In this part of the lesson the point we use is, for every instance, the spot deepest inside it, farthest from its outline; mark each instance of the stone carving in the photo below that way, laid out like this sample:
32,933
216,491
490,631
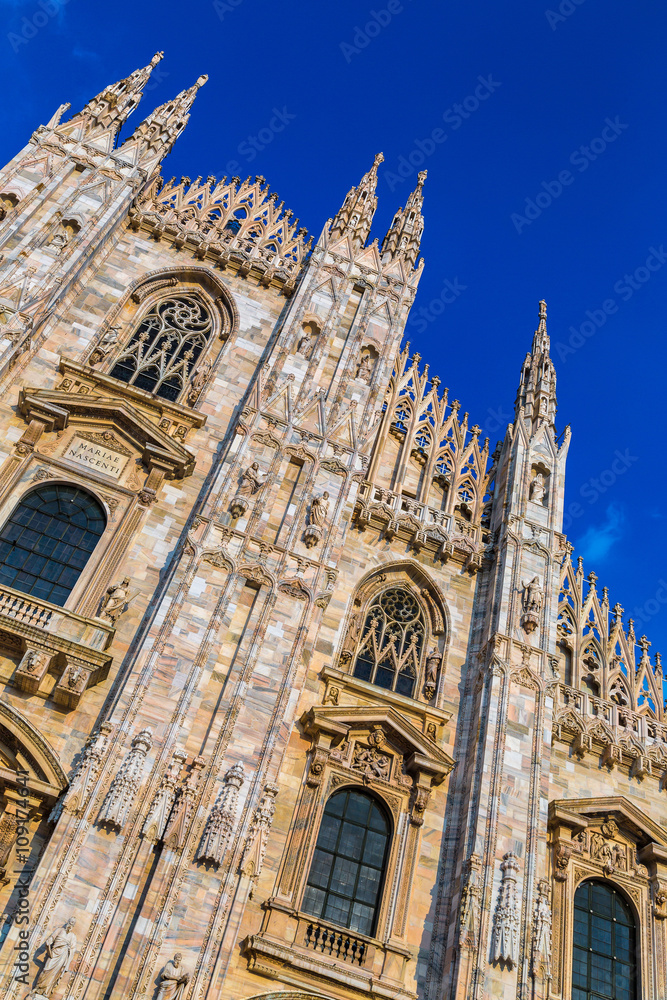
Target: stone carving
173,980
114,601
470,905
31,661
105,346
365,368
533,599
319,510
122,793
506,918
305,345
542,932
433,661
60,947
181,814
163,801
221,819
199,378
332,696
371,763
251,483
352,637
255,845
86,774
538,489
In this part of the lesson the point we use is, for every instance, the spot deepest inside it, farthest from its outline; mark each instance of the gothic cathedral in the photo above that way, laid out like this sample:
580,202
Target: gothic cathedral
304,696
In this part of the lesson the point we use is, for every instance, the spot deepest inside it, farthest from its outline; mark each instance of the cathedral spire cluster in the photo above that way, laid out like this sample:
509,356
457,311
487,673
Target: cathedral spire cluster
355,218
102,117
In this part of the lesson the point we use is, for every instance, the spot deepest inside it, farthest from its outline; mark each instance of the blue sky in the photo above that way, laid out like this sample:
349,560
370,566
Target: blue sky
546,182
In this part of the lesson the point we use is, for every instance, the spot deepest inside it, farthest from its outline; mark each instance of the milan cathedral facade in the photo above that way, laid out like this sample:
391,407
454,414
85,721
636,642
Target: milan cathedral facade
304,695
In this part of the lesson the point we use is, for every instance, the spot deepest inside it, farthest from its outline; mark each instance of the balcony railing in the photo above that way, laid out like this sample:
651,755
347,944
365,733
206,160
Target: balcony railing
19,613
337,944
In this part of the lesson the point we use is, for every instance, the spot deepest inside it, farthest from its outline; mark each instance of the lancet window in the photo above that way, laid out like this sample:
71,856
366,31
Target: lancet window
391,644
162,354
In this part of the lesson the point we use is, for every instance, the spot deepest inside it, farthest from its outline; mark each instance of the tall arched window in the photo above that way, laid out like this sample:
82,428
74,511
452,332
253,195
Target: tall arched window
392,641
162,354
604,960
48,540
346,873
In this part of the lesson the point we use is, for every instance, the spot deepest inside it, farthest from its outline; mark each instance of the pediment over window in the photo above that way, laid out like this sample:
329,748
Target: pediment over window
56,409
579,814
420,754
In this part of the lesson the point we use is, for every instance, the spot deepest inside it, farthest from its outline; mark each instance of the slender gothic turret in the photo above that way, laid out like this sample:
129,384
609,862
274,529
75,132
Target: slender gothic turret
153,139
356,215
102,118
536,397
406,230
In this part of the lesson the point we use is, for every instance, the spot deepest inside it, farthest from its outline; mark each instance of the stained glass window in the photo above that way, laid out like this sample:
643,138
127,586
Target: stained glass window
604,959
346,873
390,649
48,540
162,353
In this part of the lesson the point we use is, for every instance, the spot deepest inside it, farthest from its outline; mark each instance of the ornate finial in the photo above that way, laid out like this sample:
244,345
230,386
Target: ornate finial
658,663
378,160
592,577
580,564
201,80
644,643
617,611
605,595
421,177
543,310
157,58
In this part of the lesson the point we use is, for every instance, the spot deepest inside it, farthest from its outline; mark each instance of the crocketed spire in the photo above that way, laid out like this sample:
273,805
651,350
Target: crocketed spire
406,230
356,215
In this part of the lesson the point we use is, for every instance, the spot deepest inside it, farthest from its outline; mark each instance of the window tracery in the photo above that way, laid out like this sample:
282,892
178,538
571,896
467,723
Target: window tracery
390,648
604,947
163,352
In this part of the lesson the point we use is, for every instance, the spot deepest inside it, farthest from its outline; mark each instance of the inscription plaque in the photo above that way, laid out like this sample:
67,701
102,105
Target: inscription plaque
96,456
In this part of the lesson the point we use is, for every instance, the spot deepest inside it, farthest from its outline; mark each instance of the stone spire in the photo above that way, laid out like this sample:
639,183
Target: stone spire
356,215
406,230
153,139
102,118
536,397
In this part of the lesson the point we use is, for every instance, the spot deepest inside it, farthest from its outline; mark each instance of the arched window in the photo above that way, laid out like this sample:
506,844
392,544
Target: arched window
48,540
346,873
390,649
604,960
162,353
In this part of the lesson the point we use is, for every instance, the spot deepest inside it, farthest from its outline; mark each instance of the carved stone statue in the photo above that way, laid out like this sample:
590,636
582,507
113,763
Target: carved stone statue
114,601
105,346
201,373
542,933
365,368
533,599
537,489
173,979
319,509
59,948
305,343
433,661
251,481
